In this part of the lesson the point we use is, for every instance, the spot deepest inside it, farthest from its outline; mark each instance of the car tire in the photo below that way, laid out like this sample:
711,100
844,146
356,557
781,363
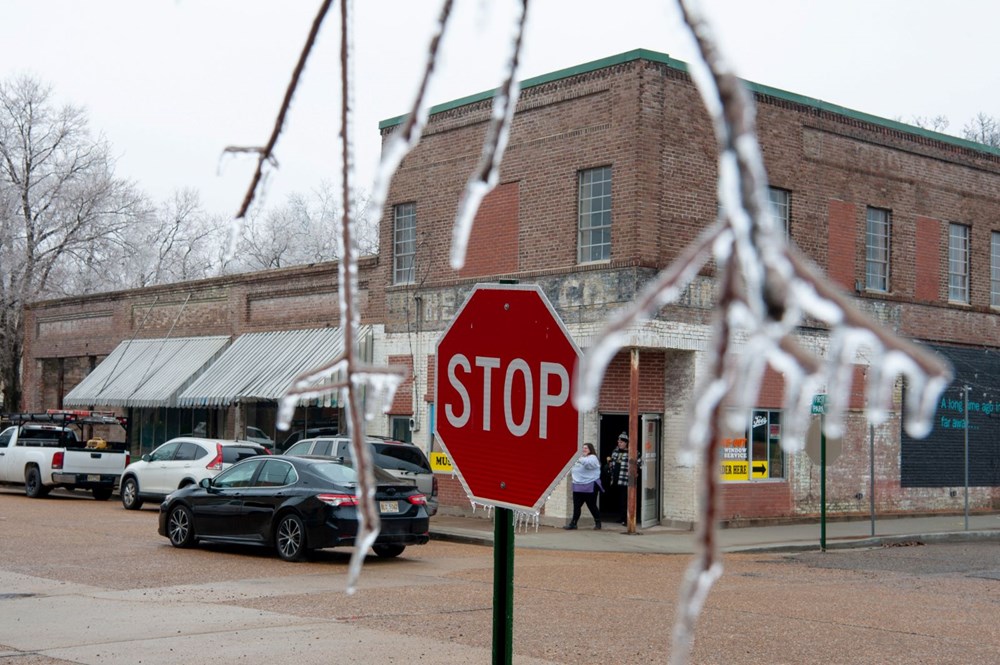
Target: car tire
290,538
33,486
180,527
388,551
130,494
101,493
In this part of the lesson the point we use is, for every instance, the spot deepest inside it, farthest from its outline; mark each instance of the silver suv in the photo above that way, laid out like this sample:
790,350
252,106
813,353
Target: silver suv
402,460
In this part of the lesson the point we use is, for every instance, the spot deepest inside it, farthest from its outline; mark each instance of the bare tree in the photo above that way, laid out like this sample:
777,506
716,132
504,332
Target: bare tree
983,129
175,241
58,194
298,232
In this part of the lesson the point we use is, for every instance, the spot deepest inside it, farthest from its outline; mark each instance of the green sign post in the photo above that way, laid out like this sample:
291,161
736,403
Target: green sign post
819,408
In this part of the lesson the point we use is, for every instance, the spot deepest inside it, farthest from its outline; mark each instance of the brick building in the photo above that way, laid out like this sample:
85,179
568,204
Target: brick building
609,173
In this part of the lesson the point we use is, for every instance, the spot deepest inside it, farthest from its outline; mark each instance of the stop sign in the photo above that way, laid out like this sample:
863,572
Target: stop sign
503,391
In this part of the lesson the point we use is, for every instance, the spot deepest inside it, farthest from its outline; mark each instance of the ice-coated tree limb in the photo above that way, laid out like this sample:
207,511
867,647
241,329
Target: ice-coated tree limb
487,173
266,153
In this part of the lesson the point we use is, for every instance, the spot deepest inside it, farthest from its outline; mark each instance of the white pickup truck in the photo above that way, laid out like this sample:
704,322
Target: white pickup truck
43,451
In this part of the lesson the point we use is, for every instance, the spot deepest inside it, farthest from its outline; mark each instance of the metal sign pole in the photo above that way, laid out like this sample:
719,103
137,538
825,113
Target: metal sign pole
503,586
822,482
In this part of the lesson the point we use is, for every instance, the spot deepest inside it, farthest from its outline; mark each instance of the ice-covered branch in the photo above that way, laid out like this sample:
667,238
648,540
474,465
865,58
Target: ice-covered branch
266,153
487,172
767,291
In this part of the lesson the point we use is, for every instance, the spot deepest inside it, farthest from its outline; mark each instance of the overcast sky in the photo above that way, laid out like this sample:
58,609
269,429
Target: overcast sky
170,83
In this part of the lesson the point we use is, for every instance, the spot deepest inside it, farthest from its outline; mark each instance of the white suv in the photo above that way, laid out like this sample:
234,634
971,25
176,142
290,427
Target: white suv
179,462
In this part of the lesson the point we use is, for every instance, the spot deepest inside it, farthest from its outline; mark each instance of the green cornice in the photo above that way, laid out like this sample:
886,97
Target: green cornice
758,88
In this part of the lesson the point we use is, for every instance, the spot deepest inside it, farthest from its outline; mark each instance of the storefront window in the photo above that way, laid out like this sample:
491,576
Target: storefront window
755,454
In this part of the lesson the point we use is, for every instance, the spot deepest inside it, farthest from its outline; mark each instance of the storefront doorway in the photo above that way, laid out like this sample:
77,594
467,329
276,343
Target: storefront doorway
647,503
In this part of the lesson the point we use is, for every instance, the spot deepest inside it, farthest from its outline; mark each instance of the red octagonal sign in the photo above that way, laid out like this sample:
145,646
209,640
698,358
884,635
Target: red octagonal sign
503,392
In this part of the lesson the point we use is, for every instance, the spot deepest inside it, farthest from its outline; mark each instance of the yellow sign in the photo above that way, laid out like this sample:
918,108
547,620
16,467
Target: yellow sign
441,463
737,470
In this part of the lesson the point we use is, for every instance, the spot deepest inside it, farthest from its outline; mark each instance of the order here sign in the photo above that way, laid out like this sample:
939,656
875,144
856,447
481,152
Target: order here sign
505,370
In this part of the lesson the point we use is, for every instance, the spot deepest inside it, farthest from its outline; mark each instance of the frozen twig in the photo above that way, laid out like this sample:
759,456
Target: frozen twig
403,140
357,376
265,153
767,290
487,172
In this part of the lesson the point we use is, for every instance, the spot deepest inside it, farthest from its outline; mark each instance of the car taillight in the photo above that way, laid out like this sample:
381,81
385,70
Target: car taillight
338,500
434,486
216,463
57,460
417,499
128,458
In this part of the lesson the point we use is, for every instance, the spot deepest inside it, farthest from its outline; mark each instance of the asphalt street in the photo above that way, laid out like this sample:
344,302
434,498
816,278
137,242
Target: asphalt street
88,582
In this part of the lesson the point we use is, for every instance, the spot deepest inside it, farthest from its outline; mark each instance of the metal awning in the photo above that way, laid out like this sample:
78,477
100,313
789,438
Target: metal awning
261,366
146,372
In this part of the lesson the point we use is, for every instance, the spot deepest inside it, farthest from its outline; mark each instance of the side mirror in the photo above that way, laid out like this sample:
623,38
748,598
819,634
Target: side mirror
205,482
145,458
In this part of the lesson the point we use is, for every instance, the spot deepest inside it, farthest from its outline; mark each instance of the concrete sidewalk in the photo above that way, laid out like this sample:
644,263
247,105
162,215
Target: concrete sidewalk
782,538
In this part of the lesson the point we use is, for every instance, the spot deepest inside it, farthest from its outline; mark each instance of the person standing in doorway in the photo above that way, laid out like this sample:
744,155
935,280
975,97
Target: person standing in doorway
618,474
586,479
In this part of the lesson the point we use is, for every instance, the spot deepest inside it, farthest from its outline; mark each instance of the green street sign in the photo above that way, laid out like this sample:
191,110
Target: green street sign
819,405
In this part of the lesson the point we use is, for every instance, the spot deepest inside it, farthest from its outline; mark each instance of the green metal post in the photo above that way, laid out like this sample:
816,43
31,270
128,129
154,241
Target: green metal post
822,484
503,586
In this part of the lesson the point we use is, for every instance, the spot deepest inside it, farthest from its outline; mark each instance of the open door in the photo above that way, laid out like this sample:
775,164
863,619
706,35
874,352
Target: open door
649,485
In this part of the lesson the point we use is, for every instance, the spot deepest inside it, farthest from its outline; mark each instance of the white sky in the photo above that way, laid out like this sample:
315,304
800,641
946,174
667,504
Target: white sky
170,83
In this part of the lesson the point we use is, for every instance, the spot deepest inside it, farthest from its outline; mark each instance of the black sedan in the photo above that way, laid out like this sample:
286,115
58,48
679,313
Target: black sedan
294,504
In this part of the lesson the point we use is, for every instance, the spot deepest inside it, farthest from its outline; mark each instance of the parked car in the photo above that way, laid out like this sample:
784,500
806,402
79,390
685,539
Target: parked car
294,505
309,433
257,435
180,462
402,460
42,451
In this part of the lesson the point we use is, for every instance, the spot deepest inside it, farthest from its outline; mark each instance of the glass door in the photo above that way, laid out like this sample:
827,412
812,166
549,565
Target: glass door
649,483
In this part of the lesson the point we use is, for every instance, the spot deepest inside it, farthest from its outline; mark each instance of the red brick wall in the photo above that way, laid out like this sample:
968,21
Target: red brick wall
493,248
615,389
758,500
841,240
928,259
402,401
76,329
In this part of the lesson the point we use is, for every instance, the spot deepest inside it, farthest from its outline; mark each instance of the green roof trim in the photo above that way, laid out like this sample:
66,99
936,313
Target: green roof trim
759,88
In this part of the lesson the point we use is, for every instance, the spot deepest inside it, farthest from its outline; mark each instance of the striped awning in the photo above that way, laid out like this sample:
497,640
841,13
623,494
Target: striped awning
261,366
146,372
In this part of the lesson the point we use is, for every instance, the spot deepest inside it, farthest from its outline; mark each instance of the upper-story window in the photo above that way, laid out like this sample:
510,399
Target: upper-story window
995,269
877,236
404,245
781,207
594,218
958,263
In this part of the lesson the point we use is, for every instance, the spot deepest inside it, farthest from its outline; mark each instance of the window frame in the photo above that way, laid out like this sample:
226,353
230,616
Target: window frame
878,254
959,246
586,211
995,269
404,242
781,210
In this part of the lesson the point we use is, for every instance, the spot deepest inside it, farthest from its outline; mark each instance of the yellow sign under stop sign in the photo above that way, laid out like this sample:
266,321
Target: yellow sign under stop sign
440,463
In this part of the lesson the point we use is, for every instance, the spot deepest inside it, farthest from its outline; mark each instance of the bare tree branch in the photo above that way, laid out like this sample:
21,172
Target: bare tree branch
266,153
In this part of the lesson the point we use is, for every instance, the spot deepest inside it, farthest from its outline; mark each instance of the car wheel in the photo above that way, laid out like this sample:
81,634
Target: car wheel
130,494
290,538
180,527
33,486
388,551
101,493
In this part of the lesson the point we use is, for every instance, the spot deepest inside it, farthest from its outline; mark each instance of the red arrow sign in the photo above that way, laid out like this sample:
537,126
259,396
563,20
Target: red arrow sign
505,369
